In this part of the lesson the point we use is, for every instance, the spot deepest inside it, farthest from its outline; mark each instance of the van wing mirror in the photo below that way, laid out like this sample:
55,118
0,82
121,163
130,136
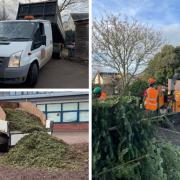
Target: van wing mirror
43,40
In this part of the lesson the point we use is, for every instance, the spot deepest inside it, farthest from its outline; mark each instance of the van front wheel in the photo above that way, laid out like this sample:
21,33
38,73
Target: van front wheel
32,75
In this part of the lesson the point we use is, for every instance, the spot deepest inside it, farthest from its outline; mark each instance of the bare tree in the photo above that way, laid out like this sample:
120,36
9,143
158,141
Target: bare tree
67,3
125,46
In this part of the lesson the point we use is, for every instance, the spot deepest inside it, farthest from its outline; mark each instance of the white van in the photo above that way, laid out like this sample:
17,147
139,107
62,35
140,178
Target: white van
25,47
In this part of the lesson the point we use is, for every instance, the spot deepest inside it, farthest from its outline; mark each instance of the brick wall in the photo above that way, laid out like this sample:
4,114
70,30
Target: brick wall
2,114
31,108
71,127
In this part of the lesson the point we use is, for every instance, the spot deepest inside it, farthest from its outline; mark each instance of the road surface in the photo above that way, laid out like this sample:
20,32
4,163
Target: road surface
60,73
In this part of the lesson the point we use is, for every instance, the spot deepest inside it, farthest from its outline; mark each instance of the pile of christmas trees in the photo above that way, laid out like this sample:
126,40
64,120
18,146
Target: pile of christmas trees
125,144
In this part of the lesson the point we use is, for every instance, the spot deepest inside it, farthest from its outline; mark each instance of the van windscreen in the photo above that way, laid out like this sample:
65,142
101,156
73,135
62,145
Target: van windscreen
16,30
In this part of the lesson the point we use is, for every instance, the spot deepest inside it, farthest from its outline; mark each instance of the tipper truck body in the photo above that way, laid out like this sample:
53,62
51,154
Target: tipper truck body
28,43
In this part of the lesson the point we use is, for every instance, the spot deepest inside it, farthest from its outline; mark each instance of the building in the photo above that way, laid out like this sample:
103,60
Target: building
81,21
77,29
108,81
69,110
104,78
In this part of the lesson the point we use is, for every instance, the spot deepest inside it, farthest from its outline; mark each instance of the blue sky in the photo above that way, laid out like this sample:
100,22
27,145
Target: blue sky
163,15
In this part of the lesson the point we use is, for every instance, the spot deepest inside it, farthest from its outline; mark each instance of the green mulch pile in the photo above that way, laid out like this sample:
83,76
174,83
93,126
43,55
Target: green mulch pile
23,121
39,149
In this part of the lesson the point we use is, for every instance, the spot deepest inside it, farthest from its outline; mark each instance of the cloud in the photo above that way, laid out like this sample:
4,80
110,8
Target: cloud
172,34
159,12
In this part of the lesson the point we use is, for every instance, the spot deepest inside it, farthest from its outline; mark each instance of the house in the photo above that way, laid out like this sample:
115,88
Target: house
69,110
104,78
108,81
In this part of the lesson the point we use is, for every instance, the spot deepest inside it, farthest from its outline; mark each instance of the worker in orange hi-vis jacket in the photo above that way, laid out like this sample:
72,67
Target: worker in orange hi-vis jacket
99,93
151,96
103,96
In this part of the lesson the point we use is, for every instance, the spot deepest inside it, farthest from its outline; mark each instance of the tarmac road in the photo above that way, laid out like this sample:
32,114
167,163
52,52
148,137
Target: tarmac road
60,73
169,134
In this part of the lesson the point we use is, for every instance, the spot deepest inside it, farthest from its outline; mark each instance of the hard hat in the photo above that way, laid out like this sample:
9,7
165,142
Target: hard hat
151,81
97,90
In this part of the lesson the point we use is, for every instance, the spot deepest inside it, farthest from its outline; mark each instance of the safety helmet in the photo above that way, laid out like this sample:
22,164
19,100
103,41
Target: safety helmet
151,81
97,90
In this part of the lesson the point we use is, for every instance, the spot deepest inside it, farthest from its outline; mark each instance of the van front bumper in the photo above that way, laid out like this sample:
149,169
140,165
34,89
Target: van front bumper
13,75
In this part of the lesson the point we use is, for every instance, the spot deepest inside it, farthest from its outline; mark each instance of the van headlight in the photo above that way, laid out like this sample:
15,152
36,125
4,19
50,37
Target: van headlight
15,59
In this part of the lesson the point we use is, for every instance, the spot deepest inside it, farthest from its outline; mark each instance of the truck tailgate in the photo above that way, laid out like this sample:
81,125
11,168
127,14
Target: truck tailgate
15,136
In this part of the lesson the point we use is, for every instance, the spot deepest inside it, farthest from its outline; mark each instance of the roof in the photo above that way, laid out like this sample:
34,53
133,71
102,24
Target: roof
47,95
79,16
108,73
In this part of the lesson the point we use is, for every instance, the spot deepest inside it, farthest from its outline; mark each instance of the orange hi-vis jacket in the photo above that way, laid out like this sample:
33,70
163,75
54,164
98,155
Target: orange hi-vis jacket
103,96
177,102
151,101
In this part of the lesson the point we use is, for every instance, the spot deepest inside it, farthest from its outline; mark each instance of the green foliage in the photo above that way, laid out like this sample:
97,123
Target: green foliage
23,121
138,87
171,160
124,145
39,149
128,140
164,64
151,168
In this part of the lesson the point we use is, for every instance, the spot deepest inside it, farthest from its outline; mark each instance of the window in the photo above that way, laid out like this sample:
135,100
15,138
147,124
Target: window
69,116
66,112
41,107
83,116
83,111
53,107
37,41
70,106
83,105
56,117
13,30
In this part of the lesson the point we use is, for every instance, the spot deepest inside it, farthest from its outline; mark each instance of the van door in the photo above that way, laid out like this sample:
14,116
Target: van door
38,49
